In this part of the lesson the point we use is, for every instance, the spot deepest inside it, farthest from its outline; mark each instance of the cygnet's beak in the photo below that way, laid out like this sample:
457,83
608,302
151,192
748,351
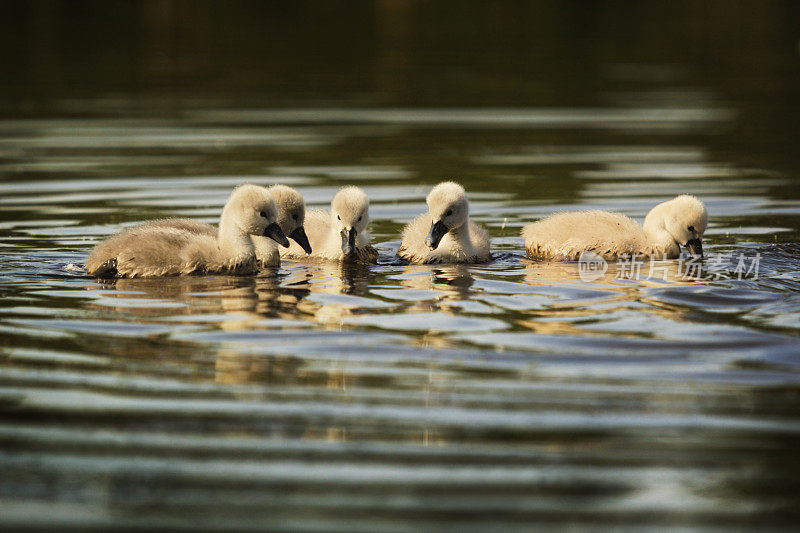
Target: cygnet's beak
349,241
438,230
299,236
274,232
695,247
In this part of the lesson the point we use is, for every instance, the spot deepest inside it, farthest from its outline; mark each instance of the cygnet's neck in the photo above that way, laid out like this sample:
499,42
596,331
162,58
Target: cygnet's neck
266,250
460,235
232,241
333,224
660,240
332,245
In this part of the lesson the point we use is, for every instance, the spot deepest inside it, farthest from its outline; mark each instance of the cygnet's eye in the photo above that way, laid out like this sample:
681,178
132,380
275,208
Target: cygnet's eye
359,218
294,216
449,212
691,228
338,217
263,214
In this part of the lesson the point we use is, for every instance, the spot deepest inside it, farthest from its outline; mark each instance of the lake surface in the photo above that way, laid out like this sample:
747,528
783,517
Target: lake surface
320,396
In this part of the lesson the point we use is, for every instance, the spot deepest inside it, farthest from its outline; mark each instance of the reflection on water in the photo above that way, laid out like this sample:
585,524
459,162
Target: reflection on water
326,396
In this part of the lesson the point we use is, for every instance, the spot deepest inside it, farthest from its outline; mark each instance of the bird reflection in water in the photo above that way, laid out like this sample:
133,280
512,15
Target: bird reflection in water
228,303
450,288
233,302
450,282
350,281
621,287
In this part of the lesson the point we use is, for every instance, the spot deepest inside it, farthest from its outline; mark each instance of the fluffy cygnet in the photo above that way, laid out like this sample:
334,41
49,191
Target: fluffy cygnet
291,217
668,226
181,247
445,234
340,234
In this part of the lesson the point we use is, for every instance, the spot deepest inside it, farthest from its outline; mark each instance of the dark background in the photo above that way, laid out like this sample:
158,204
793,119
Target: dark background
393,51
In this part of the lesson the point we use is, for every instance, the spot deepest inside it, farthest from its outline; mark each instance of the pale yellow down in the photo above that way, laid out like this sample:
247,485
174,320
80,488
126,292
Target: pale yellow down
349,211
464,242
291,215
182,247
667,227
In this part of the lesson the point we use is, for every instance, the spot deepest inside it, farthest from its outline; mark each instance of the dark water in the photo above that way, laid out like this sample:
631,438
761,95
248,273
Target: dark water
326,397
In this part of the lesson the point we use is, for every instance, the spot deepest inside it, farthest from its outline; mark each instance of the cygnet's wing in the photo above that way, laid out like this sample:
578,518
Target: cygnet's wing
412,245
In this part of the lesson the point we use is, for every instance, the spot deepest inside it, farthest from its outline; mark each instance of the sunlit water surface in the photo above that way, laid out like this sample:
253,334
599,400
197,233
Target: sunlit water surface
395,396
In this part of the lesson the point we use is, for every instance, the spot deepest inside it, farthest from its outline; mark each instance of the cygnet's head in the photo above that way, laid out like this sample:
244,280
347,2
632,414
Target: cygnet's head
350,216
685,218
252,210
449,210
291,214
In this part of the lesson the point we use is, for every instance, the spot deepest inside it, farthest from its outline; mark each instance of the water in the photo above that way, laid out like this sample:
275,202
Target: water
391,397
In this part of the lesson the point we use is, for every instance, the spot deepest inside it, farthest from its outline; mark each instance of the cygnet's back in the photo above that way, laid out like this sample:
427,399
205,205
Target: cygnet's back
155,249
564,236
